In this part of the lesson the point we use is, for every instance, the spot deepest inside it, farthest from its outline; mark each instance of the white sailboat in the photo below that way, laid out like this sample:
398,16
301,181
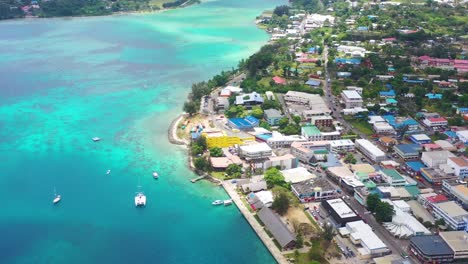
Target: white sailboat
155,175
57,197
140,197
108,172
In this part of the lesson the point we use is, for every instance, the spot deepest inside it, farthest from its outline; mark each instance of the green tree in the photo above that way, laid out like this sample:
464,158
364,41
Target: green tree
283,122
281,10
202,164
440,222
216,152
297,119
281,203
384,212
196,149
328,232
234,170
257,112
274,177
201,141
190,107
372,201
299,240
265,124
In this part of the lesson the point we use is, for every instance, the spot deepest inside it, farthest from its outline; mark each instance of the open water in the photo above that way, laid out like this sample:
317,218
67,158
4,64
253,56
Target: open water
121,78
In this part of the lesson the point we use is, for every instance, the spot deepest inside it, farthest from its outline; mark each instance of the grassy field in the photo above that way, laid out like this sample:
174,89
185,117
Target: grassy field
363,126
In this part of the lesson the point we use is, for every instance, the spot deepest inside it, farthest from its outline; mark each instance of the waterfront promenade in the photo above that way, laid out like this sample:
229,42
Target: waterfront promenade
267,241
172,132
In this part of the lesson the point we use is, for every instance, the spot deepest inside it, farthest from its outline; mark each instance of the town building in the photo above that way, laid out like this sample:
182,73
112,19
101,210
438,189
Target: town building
445,145
402,122
312,133
403,224
325,121
314,190
383,128
435,122
254,186
222,103
453,214
434,159
413,168
277,228
462,136
304,151
459,165
296,175
249,100
247,123
351,98
392,177
456,190
259,151
273,116
388,141
370,150
341,145
340,212
430,249
420,139
217,138
260,199
285,162
361,234
437,175
278,140
408,151
458,242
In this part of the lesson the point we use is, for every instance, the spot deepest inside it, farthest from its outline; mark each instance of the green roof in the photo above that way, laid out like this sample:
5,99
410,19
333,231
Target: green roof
362,175
321,151
370,185
413,190
311,130
391,101
393,173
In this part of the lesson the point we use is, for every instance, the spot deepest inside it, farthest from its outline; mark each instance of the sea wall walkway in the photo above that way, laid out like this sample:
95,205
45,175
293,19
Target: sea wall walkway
172,132
267,241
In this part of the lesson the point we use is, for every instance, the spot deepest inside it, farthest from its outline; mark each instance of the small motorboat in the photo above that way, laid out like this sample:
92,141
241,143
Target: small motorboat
57,199
155,175
217,202
140,199
96,139
227,202
108,172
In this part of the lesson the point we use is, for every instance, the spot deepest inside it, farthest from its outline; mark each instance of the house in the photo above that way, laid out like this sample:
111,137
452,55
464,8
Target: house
313,83
273,116
222,103
387,141
460,166
277,228
325,120
249,100
279,80
260,199
351,98
387,94
433,96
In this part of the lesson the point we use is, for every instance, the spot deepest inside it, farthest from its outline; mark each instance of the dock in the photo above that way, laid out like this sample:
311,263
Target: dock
197,178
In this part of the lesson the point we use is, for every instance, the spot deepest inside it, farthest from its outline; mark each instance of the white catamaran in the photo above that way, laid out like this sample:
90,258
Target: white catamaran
57,197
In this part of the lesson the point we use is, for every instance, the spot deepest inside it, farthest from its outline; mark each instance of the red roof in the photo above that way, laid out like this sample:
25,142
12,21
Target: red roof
279,80
425,57
461,61
437,198
431,146
389,39
437,119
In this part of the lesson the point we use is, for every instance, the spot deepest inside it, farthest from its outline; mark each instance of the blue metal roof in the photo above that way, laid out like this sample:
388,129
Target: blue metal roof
415,165
313,82
387,93
347,61
434,96
408,148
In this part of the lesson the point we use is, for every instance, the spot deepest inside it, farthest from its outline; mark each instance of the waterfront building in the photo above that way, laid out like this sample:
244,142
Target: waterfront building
260,151
277,228
370,150
254,186
361,234
260,199
273,116
430,249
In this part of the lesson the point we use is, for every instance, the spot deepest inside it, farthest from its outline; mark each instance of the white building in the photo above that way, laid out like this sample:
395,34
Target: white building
351,98
298,97
296,175
383,128
285,162
463,136
352,51
255,151
370,150
459,165
433,159
435,122
279,140
454,215
403,224
361,233
270,96
345,145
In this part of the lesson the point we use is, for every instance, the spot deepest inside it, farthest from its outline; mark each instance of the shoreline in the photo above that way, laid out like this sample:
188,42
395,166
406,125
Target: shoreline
172,132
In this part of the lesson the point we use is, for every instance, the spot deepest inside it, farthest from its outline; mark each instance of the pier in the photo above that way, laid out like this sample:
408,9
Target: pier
197,178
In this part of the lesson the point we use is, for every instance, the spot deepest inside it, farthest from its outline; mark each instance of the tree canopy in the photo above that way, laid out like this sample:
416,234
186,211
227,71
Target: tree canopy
274,177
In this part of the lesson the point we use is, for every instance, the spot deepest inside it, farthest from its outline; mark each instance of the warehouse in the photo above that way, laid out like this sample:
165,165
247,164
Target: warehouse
340,211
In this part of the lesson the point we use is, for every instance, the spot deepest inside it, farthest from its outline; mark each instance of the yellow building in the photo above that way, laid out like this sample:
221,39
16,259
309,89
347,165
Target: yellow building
220,139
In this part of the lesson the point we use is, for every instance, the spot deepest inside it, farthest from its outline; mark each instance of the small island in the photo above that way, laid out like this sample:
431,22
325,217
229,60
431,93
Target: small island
66,8
342,140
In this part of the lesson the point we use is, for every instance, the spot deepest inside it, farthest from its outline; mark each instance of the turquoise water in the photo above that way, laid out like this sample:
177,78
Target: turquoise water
121,78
